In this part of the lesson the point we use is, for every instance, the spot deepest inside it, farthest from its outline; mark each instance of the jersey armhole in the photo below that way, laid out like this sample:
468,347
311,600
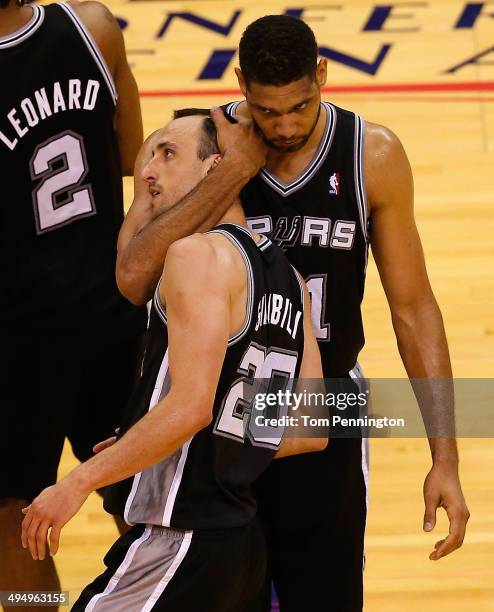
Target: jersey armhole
157,303
234,338
93,48
301,285
360,190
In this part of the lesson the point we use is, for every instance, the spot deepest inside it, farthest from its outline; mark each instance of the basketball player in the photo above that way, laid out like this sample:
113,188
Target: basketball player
69,126
332,185
187,432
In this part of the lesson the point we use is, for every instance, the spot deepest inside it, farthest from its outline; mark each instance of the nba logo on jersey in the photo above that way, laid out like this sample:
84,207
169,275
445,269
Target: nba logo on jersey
334,183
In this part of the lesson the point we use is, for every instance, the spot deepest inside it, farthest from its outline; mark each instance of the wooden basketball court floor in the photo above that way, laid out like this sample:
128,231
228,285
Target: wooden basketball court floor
426,72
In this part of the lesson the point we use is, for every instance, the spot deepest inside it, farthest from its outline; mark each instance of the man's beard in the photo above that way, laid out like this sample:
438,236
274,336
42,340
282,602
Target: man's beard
298,145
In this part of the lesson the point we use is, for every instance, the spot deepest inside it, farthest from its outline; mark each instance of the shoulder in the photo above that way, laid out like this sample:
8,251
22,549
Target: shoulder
385,163
200,262
191,249
380,142
103,26
94,14
204,259
201,255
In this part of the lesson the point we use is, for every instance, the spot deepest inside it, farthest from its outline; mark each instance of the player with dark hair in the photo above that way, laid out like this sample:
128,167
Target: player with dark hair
331,186
188,447
70,125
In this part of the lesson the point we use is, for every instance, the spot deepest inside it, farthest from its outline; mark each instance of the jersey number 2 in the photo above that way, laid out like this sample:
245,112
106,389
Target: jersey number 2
60,198
235,417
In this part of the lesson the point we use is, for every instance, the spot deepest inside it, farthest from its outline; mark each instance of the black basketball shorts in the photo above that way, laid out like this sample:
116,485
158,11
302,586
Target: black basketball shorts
169,570
313,509
54,387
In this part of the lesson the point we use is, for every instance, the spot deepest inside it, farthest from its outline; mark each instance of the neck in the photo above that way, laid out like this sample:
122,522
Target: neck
14,17
235,214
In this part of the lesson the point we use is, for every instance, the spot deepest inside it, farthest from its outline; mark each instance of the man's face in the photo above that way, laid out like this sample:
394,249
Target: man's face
174,168
286,114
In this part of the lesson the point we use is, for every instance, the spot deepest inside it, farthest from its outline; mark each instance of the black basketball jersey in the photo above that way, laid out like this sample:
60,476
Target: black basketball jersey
320,221
62,204
207,482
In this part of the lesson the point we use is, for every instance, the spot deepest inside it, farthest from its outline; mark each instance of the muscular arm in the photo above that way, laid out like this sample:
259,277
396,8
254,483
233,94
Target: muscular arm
310,369
397,250
146,234
108,36
194,292
416,317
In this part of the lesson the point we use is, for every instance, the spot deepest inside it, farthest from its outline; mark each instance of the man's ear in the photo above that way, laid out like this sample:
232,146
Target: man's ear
322,72
211,162
241,82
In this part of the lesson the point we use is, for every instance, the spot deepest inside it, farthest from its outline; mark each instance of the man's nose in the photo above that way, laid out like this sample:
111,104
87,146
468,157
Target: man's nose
285,127
148,173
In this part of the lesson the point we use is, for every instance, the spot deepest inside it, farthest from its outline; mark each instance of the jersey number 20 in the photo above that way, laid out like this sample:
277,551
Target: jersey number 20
60,197
236,417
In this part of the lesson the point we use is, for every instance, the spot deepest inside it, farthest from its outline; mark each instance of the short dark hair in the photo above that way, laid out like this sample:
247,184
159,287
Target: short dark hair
209,142
5,3
277,50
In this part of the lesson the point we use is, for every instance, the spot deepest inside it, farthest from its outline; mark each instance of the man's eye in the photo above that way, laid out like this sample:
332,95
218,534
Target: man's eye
265,111
301,106
168,153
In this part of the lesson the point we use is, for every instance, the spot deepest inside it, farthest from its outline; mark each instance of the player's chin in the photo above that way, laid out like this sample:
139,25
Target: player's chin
290,147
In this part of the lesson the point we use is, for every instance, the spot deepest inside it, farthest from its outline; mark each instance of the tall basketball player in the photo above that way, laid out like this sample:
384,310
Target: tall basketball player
188,434
69,126
332,185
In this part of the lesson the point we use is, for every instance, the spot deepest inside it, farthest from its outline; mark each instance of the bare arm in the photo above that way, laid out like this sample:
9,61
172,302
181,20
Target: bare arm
416,317
310,369
193,291
142,249
108,36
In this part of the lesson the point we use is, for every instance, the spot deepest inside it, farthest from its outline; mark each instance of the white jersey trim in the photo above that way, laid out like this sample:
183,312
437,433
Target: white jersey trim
158,388
160,308
286,189
123,567
93,49
19,36
359,173
163,583
233,339
301,284
357,374
177,479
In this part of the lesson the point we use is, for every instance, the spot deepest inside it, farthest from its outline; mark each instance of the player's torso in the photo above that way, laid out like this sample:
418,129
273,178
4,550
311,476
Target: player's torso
320,221
206,483
62,191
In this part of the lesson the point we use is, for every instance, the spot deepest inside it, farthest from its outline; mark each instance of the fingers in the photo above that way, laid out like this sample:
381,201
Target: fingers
458,518
30,536
34,533
431,505
218,116
54,539
97,448
40,539
25,526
